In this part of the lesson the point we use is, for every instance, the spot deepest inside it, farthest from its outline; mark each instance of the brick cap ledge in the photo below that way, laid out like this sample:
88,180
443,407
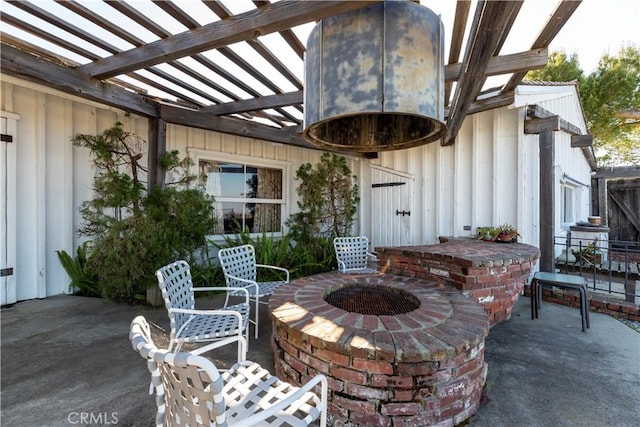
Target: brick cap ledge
468,252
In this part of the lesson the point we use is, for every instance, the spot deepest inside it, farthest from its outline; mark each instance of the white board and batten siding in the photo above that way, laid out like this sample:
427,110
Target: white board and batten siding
488,177
459,187
8,212
52,178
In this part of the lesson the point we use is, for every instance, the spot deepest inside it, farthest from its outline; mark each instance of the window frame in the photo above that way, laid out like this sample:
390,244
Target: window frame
198,155
564,187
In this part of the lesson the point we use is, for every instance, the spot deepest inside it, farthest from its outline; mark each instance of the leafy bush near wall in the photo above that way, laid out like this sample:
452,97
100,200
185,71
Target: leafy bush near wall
134,232
328,200
300,260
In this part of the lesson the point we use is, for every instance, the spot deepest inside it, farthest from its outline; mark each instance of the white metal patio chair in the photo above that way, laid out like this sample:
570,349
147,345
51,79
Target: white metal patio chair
191,391
353,256
189,325
240,271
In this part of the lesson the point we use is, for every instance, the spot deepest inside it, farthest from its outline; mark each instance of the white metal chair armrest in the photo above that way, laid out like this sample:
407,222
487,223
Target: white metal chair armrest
274,267
189,324
240,279
216,312
230,340
224,288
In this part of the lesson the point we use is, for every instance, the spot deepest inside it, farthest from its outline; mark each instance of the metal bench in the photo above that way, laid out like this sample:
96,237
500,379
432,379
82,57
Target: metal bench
560,280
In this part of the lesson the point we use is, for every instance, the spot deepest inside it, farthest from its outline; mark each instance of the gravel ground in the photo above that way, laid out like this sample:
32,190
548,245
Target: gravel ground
630,323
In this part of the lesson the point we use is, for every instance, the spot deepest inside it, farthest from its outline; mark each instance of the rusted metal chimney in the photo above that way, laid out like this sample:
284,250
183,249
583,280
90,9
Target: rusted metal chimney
374,79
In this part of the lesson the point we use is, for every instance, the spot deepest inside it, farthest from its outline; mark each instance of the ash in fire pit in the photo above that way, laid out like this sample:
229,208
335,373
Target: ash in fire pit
372,300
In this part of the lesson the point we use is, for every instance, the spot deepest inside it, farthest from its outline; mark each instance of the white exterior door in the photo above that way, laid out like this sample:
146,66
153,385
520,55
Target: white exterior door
390,207
8,294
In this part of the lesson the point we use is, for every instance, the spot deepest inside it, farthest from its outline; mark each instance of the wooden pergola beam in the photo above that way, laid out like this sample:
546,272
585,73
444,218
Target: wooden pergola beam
491,20
264,102
457,35
618,172
233,126
514,62
20,64
537,112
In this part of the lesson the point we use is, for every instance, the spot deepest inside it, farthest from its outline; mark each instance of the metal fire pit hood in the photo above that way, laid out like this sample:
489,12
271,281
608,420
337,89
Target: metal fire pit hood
374,79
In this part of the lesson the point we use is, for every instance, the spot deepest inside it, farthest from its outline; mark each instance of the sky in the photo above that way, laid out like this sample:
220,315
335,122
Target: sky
595,28
598,27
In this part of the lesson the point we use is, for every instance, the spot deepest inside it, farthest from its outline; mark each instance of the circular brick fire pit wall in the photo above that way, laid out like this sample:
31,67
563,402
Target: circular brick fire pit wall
421,367
493,274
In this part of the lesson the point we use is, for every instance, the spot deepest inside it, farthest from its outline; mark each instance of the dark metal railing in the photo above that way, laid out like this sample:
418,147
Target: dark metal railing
611,267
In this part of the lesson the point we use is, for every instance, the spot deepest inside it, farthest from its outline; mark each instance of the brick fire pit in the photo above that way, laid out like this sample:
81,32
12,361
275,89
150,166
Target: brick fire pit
420,363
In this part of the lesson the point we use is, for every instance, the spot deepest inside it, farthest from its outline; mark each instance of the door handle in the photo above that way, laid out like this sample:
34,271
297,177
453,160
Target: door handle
403,212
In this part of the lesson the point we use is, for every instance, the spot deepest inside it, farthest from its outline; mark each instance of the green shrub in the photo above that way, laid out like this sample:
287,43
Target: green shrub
134,232
301,260
328,200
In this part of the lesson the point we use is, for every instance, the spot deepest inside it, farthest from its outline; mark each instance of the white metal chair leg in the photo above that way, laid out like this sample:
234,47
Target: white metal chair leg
257,317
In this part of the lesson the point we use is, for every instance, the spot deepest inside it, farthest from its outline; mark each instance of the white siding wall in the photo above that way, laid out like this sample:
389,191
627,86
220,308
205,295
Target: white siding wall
475,182
491,174
53,178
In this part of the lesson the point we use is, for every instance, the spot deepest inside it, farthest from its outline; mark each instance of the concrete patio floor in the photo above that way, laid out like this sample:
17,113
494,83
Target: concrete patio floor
68,357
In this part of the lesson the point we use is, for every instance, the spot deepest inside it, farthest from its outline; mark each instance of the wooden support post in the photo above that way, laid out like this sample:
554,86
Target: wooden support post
155,176
544,123
547,198
157,148
603,212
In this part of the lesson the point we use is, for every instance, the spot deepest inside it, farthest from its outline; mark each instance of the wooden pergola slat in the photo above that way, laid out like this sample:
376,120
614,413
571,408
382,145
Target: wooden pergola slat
560,16
272,18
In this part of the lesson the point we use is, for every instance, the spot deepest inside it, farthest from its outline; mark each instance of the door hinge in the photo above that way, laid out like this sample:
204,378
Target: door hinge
6,272
403,212
6,138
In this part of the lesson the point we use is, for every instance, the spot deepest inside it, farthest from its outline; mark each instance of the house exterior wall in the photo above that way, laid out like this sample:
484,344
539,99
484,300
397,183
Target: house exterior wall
488,177
491,174
53,178
475,182
571,167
